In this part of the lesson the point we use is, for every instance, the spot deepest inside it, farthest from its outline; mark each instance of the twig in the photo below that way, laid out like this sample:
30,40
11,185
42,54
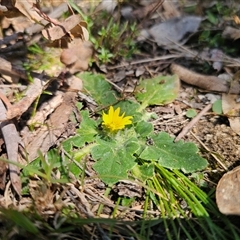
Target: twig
147,60
193,122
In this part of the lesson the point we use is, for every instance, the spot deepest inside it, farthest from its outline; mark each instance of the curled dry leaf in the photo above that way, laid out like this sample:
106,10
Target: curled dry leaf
26,7
228,192
72,25
77,56
14,8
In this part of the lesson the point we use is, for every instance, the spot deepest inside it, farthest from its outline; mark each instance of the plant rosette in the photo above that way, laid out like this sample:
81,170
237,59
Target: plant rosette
121,145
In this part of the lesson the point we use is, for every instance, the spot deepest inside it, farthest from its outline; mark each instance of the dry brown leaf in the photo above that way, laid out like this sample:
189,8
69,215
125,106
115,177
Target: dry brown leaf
26,7
56,124
228,192
77,56
232,109
232,33
57,32
72,25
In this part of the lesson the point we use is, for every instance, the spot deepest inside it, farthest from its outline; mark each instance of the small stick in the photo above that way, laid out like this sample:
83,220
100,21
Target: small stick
190,125
147,60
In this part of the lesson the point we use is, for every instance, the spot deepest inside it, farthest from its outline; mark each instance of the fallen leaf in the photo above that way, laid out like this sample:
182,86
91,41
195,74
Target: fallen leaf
72,24
77,56
228,192
34,90
232,109
232,33
175,30
26,7
3,171
56,124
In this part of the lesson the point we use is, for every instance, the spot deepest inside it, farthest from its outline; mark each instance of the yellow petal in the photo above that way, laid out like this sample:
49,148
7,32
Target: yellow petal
111,113
113,121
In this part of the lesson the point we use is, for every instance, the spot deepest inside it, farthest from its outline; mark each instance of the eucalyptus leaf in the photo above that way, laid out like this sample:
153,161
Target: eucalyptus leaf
173,155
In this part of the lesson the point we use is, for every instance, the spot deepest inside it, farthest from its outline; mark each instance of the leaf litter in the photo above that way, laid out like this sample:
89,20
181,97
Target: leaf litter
51,123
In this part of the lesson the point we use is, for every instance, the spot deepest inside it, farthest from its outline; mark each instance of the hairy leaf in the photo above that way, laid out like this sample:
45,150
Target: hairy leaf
172,155
158,91
114,159
98,88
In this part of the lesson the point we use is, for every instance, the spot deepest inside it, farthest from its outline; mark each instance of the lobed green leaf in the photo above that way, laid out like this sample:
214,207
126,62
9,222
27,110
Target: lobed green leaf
157,91
173,155
114,159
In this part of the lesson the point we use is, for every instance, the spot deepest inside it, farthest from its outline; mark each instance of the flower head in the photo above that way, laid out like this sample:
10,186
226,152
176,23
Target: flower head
113,121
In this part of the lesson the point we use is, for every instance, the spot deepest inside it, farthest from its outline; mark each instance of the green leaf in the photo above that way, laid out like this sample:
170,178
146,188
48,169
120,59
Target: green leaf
172,155
158,91
99,89
85,134
114,159
88,127
191,113
144,128
129,107
212,18
74,169
143,172
76,141
217,106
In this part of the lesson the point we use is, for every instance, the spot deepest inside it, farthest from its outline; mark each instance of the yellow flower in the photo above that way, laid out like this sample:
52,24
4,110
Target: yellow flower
113,121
